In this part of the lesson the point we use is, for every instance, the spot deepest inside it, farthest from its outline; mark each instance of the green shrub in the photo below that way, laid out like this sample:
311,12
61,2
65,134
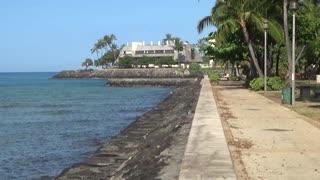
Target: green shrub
214,77
195,69
257,84
144,60
206,70
273,83
165,60
276,83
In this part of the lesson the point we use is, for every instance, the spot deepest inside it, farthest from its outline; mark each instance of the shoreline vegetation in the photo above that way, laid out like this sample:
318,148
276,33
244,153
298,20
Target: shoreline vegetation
152,146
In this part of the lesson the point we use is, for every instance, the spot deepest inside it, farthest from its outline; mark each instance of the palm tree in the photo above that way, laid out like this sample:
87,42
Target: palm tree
109,44
96,63
167,39
97,47
87,62
229,14
114,48
109,40
178,46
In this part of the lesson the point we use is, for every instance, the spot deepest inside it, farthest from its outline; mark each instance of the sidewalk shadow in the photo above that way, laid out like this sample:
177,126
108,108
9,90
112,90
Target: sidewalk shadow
314,106
232,85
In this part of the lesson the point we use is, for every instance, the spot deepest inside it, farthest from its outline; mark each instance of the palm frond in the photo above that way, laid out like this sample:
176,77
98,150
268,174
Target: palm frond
275,29
205,22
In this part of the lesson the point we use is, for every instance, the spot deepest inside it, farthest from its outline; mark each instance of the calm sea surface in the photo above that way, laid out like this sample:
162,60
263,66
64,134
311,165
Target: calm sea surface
48,125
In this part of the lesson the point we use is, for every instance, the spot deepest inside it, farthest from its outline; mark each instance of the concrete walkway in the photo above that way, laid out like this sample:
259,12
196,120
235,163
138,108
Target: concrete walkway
277,143
207,155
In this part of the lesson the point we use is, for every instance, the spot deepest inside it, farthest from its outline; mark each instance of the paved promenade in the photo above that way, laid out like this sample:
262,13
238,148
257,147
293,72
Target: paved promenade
274,142
207,155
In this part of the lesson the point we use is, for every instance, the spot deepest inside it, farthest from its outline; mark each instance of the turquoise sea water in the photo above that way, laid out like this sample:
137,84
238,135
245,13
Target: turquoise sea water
48,125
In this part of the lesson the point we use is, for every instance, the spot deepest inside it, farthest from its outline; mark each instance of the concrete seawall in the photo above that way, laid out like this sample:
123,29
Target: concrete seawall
155,82
207,155
151,147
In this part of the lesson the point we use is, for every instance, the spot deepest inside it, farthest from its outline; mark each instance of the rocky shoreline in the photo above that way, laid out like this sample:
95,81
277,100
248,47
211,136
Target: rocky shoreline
155,82
152,146
123,73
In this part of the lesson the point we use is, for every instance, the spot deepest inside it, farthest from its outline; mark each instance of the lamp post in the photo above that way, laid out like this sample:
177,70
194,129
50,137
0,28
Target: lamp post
265,27
293,7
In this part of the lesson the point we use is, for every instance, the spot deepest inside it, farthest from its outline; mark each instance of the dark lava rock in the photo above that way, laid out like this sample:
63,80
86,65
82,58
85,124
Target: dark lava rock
161,82
122,73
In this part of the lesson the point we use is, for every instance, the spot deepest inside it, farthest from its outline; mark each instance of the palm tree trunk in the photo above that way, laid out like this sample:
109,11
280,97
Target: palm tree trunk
270,59
286,35
318,70
251,50
237,69
300,54
253,70
277,60
114,56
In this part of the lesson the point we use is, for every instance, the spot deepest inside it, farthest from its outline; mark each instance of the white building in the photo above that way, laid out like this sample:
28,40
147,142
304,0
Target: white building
139,49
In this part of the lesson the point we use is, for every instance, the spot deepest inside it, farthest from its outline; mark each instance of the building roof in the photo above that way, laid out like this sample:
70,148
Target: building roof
154,47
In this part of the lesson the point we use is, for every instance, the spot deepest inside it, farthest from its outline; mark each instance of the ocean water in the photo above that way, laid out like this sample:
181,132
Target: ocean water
48,125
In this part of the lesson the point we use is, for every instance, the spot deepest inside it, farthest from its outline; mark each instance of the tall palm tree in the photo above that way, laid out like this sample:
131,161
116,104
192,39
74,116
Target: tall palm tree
109,44
97,47
109,40
178,44
168,38
114,48
229,14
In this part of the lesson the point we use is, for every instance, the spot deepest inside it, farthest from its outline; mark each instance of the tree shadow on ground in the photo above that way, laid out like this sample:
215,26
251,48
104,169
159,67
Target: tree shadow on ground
314,106
231,85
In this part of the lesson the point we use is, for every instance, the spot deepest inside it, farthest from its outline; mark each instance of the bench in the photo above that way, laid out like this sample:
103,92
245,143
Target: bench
225,77
305,91
316,92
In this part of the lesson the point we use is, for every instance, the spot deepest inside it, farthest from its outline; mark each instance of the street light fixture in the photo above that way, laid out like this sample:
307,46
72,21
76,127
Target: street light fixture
293,7
265,27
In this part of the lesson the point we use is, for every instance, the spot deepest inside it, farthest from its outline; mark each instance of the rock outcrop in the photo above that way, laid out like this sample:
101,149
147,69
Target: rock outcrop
122,73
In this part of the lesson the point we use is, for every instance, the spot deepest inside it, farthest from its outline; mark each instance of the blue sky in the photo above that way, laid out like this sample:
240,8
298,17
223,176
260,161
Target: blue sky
54,35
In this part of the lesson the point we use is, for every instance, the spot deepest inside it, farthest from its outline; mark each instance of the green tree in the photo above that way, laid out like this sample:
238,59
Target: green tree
165,61
245,14
87,62
195,69
126,62
109,44
308,39
96,63
144,60
178,44
108,58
